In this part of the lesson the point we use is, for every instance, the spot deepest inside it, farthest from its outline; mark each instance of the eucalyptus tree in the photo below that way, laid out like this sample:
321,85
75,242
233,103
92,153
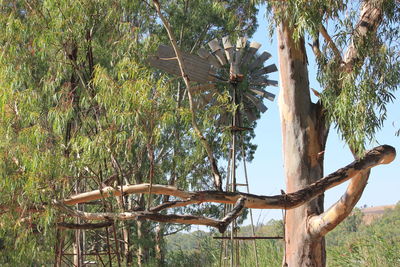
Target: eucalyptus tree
358,71
81,110
356,46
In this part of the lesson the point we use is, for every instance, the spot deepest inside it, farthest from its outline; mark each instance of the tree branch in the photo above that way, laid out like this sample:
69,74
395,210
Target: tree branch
330,42
181,63
64,225
370,18
379,155
221,225
320,225
173,204
126,189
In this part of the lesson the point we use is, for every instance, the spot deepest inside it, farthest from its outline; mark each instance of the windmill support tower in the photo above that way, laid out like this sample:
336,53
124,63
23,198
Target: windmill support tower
240,71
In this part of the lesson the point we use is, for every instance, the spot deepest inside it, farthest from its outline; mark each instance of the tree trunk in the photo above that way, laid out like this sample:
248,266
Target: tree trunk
304,137
143,237
126,237
140,251
159,244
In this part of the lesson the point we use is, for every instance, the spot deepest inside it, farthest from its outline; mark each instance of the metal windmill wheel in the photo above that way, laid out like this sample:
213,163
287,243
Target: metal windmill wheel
237,66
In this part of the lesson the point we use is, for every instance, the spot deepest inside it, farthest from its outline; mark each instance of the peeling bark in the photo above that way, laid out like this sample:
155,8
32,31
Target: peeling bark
304,136
221,225
299,200
302,144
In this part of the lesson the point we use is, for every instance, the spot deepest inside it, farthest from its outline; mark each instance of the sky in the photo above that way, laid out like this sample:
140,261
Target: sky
265,172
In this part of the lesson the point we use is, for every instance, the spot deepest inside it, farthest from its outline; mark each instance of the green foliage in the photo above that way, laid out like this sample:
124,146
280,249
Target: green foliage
305,16
352,243
376,244
79,107
197,22
354,100
357,104
193,249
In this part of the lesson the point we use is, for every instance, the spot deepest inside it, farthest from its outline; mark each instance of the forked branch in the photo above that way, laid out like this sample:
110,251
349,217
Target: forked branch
379,155
320,225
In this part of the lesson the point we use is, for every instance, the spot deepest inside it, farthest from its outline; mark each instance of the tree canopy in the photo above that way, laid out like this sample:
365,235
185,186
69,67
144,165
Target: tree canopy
81,110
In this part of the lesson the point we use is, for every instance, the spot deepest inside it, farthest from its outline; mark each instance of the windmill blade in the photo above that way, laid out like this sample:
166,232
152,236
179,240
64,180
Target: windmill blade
257,102
197,69
229,48
254,46
250,115
202,87
268,69
240,44
263,81
217,51
259,60
204,54
235,66
263,93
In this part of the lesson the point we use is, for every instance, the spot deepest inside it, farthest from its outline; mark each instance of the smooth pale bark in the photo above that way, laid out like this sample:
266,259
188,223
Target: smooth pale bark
303,142
304,138
116,191
159,244
140,253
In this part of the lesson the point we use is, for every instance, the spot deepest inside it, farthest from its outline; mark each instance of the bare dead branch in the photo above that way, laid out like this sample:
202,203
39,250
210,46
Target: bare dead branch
379,155
86,226
126,189
173,204
234,213
315,48
181,63
221,225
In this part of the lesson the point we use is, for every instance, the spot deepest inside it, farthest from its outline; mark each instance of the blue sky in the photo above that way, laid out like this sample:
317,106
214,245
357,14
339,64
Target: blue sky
266,170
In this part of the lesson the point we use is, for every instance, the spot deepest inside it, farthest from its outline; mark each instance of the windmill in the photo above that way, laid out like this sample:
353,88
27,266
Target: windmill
239,70
238,67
